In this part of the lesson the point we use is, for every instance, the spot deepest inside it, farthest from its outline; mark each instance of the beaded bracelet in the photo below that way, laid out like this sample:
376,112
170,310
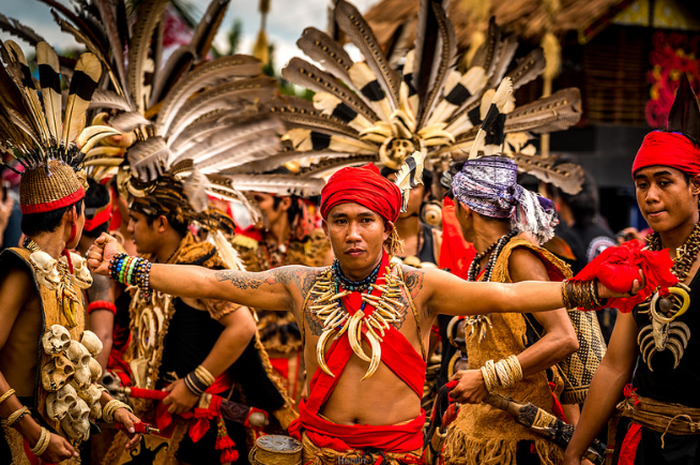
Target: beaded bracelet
42,444
17,415
7,395
133,271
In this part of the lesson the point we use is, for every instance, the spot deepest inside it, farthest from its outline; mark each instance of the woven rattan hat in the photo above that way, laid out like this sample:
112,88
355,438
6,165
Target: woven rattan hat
48,142
49,187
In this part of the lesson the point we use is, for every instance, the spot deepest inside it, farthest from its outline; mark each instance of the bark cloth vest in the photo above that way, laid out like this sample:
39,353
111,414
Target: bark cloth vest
399,356
660,421
13,354
481,433
168,340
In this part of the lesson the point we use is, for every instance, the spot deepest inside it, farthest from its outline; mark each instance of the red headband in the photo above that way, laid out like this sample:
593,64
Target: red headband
668,149
53,205
101,216
365,186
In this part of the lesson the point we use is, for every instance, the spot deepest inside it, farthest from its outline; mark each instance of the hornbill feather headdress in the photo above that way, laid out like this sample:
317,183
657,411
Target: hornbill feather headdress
430,103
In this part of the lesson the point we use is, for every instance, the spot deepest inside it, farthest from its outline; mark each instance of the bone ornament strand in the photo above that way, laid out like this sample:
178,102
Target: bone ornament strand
337,320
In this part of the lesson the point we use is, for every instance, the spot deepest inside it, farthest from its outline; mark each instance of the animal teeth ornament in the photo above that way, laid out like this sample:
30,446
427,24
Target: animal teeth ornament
663,332
368,324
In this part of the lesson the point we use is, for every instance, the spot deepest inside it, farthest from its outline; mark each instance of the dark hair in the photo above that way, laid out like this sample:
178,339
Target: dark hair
585,205
427,177
35,223
293,209
96,197
180,227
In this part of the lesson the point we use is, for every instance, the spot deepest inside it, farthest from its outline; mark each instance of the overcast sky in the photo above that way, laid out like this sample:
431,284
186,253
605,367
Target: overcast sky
285,22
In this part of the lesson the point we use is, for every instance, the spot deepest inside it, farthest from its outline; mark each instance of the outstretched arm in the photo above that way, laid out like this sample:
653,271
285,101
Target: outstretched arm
273,290
447,294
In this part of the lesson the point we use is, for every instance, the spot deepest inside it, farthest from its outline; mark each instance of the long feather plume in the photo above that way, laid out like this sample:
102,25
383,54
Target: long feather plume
360,34
324,50
83,83
206,75
148,14
18,68
50,81
557,112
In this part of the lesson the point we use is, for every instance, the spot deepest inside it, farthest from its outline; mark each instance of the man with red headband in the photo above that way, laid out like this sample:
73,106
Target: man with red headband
48,371
364,320
656,345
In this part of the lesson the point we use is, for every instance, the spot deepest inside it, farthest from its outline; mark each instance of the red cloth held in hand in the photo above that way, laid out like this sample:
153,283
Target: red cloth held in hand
618,267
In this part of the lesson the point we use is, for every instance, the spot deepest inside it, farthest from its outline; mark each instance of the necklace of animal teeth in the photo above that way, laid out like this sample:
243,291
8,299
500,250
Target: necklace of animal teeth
338,321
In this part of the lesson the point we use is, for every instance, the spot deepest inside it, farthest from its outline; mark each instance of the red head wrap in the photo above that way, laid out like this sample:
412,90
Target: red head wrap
365,186
668,149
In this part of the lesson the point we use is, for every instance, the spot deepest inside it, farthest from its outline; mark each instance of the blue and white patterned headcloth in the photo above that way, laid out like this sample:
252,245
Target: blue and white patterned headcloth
488,186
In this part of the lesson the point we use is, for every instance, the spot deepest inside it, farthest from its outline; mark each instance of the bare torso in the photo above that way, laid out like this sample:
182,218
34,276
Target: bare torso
381,399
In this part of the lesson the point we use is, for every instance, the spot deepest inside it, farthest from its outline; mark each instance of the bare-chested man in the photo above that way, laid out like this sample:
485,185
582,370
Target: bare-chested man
360,309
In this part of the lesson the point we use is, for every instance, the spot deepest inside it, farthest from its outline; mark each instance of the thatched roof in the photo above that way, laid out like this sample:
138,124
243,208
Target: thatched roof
527,18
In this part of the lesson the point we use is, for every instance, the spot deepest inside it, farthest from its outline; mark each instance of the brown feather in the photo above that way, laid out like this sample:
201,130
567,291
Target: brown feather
528,68
438,64
109,99
18,29
18,68
228,138
242,95
568,176
108,15
322,49
360,34
149,13
305,74
557,112
206,75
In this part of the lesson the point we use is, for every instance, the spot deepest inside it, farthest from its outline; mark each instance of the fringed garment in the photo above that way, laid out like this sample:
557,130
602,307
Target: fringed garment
484,435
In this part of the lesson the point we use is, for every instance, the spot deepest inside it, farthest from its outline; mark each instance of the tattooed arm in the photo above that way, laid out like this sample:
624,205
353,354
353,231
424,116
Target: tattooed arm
279,289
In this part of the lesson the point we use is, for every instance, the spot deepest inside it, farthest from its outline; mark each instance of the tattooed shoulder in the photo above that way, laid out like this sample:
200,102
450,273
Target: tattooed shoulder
414,280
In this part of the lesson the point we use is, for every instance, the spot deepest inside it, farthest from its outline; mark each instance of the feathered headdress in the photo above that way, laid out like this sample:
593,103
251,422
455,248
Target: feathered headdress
371,110
487,182
189,118
48,139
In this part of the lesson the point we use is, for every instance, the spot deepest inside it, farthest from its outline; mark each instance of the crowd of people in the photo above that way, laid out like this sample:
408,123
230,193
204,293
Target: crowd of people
422,313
